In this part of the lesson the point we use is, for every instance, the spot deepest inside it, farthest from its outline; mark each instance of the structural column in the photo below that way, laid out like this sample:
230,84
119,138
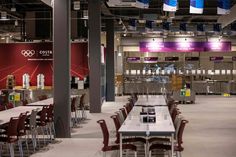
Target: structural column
61,67
94,26
110,70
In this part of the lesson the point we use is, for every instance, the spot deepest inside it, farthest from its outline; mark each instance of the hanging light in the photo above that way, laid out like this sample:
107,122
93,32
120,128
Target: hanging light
16,23
76,5
3,15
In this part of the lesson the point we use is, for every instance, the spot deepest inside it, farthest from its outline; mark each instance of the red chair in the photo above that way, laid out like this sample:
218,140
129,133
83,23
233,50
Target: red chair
128,107
106,147
9,106
74,110
24,102
82,106
50,120
123,112
41,122
21,128
42,97
178,147
2,108
126,140
11,136
174,113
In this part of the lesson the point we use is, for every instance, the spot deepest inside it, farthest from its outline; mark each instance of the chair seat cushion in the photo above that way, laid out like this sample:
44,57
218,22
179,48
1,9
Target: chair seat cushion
117,147
135,139
164,147
8,140
158,139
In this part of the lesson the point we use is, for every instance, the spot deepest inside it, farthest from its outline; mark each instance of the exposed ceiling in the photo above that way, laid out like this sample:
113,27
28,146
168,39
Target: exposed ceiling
125,12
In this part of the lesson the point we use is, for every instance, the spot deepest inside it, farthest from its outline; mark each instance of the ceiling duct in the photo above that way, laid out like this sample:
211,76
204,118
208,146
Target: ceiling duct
225,20
121,3
48,2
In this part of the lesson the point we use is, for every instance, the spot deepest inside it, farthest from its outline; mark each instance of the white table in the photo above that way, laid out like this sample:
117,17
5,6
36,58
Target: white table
46,102
163,126
6,115
151,100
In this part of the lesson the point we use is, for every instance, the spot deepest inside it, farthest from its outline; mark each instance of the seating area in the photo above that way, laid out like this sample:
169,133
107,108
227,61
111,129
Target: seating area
151,144
27,129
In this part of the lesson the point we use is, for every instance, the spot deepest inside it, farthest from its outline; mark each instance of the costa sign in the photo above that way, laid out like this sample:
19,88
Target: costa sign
28,53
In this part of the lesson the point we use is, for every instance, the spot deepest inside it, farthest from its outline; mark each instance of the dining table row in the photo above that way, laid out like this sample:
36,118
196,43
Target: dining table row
32,125
152,121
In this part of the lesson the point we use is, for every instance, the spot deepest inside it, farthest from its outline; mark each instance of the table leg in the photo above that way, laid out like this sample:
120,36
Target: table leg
121,145
172,145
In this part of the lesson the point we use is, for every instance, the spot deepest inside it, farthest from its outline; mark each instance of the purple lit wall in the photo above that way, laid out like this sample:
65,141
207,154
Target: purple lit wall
184,46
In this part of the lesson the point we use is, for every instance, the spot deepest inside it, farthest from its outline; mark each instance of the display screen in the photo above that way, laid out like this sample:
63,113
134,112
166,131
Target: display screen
216,58
234,58
171,58
191,58
133,59
150,59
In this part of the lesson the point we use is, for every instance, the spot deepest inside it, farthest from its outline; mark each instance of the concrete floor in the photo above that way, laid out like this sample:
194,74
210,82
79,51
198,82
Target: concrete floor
211,131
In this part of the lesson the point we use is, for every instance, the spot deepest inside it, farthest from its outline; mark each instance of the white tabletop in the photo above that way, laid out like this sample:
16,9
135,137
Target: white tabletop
45,102
162,127
152,100
6,115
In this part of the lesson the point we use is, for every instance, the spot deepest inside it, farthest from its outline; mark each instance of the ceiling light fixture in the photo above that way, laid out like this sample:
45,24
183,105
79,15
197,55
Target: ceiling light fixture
16,23
76,5
120,21
3,15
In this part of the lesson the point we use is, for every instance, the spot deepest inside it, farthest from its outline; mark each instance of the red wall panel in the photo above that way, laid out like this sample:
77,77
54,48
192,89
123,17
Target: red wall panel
34,58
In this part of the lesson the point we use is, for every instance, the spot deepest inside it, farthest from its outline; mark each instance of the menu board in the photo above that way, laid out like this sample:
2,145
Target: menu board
217,58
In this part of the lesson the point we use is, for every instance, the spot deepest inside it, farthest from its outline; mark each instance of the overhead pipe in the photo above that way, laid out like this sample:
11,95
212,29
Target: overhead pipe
227,19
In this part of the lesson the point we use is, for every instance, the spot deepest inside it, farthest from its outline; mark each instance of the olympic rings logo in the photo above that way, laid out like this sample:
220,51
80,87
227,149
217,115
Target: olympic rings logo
27,53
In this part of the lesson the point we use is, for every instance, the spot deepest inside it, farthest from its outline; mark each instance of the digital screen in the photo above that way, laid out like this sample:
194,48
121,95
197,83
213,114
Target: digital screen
191,58
216,58
133,59
150,59
234,58
171,58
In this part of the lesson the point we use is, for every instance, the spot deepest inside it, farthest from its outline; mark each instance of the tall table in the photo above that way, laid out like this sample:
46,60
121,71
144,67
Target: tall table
163,126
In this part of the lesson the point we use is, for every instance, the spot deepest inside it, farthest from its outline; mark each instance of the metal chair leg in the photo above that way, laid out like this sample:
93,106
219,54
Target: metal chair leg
0,150
150,153
104,154
26,143
11,148
42,129
20,147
